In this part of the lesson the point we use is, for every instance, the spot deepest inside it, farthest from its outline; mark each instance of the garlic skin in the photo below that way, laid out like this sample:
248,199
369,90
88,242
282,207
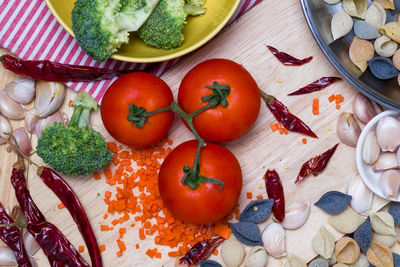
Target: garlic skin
273,237
7,256
50,120
388,133
30,120
5,129
363,108
23,140
257,257
371,149
49,97
390,183
30,244
361,200
9,108
296,215
347,129
21,91
386,161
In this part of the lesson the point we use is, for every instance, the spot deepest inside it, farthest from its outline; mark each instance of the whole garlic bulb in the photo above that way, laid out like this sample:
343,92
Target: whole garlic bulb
388,133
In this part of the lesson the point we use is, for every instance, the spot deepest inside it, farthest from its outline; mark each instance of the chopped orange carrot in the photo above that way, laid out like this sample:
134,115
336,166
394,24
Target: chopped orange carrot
137,246
102,248
331,98
249,195
105,216
104,227
215,252
107,194
285,130
339,98
274,127
337,106
259,197
222,230
60,206
158,255
71,103
96,176
81,249
304,140
119,253
315,106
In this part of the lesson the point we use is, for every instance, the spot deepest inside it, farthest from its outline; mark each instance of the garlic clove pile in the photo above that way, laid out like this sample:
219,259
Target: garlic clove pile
347,129
21,91
390,183
386,161
363,108
371,149
49,97
273,237
296,215
10,108
388,133
5,129
361,196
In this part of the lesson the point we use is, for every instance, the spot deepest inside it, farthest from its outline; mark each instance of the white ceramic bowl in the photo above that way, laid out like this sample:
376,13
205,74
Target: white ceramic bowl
371,178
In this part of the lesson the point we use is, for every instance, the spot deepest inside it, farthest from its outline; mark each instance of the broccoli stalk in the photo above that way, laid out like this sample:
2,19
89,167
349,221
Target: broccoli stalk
76,148
102,26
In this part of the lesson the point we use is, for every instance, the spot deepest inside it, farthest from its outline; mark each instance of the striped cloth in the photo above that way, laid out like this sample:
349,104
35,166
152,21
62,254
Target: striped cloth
29,30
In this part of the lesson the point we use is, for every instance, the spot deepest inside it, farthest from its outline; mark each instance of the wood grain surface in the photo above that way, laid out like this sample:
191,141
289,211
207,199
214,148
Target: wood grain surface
277,23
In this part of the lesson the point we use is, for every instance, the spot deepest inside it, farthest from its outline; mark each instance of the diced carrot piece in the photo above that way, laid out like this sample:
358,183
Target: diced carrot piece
222,230
259,197
60,206
137,246
119,253
249,195
102,248
304,140
81,249
337,106
274,127
331,98
215,252
96,176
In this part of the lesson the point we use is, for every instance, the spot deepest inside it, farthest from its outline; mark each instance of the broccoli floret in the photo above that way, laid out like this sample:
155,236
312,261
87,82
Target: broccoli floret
102,26
76,148
163,29
196,2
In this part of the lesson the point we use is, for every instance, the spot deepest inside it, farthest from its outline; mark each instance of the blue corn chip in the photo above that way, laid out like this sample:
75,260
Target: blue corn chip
364,30
382,68
247,233
209,263
394,210
257,211
396,259
363,235
333,202
319,263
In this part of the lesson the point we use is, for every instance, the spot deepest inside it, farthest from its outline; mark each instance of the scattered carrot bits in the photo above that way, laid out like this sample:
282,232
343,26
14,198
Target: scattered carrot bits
315,107
96,176
249,195
304,140
102,248
60,206
278,127
337,106
259,197
81,249
331,98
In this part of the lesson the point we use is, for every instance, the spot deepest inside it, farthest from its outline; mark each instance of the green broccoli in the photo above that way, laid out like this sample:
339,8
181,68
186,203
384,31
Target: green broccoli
196,2
102,26
75,148
163,29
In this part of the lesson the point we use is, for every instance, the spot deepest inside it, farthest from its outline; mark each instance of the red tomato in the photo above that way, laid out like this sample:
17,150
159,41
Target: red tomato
221,124
206,203
143,90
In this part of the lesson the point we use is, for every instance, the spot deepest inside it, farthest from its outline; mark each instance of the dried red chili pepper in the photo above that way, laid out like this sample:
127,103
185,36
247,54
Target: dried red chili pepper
283,115
315,165
56,72
286,59
201,250
59,251
11,236
68,197
275,190
316,85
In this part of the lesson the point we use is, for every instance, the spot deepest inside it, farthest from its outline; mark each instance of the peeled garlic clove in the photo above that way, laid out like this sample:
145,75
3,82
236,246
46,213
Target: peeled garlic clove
371,149
348,129
296,215
361,200
388,133
232,252
21,91
23,140
257,257
42,123
5,129
30,244
7,256
273,238
10,108
363,108
386,161
390,183
49,97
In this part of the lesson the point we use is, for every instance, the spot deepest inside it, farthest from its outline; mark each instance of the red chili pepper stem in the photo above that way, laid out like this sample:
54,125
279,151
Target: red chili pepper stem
192,177
267,98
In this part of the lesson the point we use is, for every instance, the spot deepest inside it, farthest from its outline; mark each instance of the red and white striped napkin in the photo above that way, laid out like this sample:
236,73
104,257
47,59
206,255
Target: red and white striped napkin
29,30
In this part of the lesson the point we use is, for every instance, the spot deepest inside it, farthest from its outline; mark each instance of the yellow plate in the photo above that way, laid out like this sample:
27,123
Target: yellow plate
197,31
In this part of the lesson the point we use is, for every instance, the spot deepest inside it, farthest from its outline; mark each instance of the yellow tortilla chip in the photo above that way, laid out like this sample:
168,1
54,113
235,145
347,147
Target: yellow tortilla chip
391,30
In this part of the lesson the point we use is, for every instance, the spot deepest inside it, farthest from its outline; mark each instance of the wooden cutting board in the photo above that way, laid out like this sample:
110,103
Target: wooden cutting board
277,23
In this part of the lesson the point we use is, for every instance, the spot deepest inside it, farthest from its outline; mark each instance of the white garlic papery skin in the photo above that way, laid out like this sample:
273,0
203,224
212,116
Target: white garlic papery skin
49,97
371,149
30,120
31,246
390,183
363,108
273,238
388,133
9,108
361,200
296,215
347,129
386,161
5,129
21,91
